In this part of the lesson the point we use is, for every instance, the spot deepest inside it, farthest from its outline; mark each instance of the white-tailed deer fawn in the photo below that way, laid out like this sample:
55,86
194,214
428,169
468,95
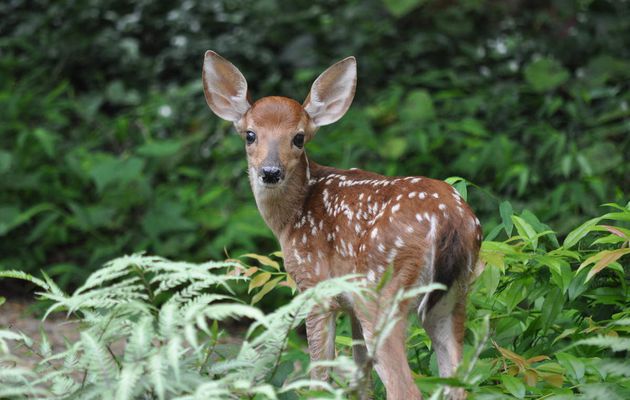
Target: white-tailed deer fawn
333,222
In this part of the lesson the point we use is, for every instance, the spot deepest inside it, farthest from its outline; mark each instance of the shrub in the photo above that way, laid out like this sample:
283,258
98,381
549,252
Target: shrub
545,320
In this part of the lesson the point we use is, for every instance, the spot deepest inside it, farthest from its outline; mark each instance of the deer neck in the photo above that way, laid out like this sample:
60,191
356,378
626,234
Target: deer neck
279,207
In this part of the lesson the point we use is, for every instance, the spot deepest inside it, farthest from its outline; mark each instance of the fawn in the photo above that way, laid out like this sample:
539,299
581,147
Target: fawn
332,222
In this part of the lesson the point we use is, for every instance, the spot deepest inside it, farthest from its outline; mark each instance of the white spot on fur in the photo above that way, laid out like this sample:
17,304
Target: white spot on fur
436,195
381,248
371,276
304,239
409,228
415,180
399,197
392,254
374,233
395,208
412,195
419,217
399,242
442,206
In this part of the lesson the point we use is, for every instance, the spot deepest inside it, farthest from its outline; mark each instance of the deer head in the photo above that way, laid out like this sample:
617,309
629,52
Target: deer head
275,129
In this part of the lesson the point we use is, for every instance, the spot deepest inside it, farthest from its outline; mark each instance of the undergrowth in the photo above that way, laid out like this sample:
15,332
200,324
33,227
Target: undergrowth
545,320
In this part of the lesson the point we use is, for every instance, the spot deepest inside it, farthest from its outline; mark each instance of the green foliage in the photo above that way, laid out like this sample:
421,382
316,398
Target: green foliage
173,348
537,327
107,146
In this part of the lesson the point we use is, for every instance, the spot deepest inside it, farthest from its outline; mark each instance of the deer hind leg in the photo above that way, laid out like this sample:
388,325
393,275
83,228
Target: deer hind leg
320,333
390,360
361,357
359,350
444,323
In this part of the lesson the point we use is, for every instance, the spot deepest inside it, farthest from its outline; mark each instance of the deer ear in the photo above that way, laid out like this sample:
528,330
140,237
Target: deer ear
225,87
332,92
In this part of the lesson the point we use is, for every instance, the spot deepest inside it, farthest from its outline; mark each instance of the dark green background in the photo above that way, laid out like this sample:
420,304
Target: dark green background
107,146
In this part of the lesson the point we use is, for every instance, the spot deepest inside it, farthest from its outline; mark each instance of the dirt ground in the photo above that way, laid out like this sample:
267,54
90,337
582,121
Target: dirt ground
19,316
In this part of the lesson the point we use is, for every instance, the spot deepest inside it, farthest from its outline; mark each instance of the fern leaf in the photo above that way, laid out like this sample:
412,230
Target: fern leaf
129,376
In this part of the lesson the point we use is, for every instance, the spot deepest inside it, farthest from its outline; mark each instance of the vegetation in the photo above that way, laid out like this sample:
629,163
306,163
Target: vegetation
107,146
545,320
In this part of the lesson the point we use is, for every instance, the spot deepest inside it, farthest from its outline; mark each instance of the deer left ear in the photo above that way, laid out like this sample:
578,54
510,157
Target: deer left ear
332,92
225,87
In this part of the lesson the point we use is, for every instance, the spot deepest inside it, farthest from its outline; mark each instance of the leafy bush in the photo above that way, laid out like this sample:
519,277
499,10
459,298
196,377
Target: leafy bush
107,147
545,320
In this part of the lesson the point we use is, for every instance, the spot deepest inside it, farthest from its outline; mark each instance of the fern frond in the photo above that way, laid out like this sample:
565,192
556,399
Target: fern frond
14,274
97,359
129,376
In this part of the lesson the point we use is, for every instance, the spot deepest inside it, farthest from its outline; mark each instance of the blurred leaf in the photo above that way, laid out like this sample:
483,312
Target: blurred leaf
418,107
5,161
163,148
398,8
545,74
116,171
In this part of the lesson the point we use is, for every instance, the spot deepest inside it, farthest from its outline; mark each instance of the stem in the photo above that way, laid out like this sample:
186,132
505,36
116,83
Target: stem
146,284
284,344
100,337
207,357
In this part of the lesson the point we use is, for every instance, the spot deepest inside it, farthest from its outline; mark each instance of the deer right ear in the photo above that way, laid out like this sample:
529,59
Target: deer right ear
225,87
332,92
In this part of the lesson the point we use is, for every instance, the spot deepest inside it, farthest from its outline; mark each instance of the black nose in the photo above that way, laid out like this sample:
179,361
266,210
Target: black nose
270,174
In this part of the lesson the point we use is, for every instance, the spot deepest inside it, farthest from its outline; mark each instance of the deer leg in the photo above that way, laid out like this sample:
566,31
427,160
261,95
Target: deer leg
444,323
320,333
359,350
390,361
361,357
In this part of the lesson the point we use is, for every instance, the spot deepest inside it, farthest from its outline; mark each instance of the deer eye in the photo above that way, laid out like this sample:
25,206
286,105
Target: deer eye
250,137
298,140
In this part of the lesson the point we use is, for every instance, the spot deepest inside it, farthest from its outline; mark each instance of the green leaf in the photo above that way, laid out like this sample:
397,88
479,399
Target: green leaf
552,306
259,280
525,230
506,212
269,286
514,386
264,260
545,74
578,233
490,278
572,364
